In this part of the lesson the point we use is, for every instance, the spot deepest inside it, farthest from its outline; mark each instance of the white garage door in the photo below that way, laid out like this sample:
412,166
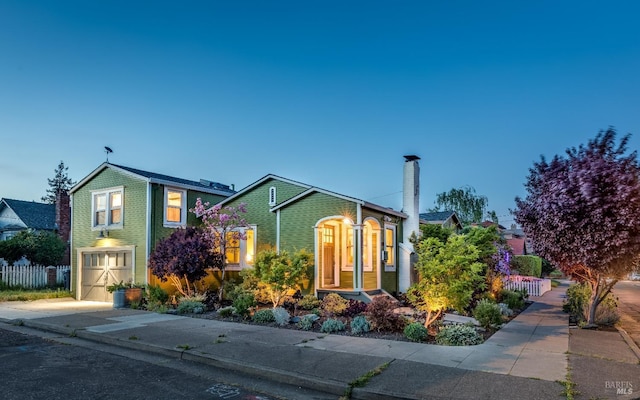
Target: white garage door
103,268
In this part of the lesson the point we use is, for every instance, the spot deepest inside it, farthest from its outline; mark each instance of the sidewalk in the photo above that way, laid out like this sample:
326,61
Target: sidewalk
533,345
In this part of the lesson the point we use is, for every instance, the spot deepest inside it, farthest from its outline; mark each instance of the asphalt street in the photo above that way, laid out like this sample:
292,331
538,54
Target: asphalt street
34,367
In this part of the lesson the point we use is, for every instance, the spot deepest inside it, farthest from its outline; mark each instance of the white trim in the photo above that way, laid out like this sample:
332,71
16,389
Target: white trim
107,192
183,208
390,267
243,250
278,231
272,196
148,232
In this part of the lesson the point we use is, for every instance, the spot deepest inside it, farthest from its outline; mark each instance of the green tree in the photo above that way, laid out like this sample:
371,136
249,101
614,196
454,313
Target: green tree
60,182
281,272
469,206
42,248
582,212
449,274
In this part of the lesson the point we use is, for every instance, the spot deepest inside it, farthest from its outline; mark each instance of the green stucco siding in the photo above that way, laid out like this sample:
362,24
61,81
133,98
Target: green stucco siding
257,202
158,230
298,219
133,231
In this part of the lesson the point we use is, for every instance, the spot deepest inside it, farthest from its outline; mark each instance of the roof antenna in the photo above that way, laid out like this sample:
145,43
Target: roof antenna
107,150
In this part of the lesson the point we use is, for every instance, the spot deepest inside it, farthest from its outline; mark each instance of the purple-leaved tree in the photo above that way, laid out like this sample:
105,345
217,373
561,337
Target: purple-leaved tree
222,226
582,212
184,258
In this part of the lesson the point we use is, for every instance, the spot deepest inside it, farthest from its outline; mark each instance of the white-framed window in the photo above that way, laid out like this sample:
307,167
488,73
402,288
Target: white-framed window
389,253
175,207
369,239
107,208
240,254
272,196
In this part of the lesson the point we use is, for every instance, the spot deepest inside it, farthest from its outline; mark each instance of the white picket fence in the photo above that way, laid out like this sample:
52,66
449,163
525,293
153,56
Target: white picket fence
534,286
30,276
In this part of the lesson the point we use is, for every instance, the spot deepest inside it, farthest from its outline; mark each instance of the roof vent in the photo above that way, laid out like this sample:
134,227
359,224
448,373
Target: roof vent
411,158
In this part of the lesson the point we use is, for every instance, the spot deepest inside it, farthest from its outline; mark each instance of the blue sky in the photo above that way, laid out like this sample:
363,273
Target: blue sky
329,93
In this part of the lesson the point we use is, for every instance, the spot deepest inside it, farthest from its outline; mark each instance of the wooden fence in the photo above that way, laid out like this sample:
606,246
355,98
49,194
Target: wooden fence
32,276
534,286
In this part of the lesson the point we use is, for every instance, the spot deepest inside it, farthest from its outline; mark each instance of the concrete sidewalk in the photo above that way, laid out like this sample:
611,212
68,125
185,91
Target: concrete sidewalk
533,345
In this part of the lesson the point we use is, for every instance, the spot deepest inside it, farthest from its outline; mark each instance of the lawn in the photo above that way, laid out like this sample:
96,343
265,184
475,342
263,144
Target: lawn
18,294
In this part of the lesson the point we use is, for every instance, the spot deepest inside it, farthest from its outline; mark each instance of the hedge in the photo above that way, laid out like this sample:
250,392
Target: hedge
527,265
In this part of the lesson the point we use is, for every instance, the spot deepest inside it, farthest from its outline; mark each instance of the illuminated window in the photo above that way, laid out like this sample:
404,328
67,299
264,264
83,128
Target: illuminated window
107,208
390,248
241,253
175,214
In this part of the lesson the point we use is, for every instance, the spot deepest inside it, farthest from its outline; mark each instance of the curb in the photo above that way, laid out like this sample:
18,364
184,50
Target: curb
634,347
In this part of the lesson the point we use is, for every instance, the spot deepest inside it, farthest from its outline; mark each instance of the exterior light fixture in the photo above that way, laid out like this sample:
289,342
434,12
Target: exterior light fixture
103,234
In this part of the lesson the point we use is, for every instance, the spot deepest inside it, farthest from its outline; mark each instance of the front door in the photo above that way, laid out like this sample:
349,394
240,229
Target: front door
103,268
328,256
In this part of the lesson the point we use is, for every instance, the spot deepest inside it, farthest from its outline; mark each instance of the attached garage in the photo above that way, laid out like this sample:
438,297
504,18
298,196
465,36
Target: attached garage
101,267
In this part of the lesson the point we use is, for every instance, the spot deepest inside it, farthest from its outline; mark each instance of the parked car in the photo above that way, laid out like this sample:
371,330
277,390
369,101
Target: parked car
634,276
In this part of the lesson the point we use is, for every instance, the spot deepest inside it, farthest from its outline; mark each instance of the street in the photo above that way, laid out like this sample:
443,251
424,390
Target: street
34,367
628,294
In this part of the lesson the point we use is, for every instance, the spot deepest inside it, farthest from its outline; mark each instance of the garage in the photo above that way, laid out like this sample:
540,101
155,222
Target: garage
101,267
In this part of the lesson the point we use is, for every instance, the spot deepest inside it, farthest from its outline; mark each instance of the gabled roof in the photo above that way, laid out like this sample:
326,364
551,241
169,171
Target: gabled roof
518,245
309,190
39,216
152,177
437,216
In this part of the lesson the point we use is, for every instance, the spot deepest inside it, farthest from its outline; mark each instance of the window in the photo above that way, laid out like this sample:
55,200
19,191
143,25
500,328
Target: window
175,214
107,208
241,253
390,248
272,196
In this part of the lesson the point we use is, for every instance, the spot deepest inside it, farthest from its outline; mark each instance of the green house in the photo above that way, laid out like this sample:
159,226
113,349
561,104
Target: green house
361,249
118,215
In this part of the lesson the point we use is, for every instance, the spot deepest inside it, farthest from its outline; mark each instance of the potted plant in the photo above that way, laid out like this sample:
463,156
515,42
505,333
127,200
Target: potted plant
133,293
118,290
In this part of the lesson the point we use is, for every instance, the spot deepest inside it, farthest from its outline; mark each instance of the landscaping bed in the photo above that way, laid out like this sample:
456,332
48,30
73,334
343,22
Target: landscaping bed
397,334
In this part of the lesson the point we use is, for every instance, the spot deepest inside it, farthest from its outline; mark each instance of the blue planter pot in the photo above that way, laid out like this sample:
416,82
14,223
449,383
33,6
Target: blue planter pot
119,299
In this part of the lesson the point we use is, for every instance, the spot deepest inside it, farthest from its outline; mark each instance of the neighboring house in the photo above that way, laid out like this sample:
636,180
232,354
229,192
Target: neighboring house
516,238
118,215
360,248
446,219
19,215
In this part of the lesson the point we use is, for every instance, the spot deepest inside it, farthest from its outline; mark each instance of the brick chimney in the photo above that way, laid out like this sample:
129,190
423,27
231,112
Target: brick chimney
63,221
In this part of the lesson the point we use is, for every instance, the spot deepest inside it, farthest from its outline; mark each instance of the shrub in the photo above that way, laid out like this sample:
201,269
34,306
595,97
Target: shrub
333,304
359,324
381,316
281,272
306,321
487,313
281,316
190,306
226,312
309,302
577,300
505,310
354,308
332,325
243,303
607,312
157,294
527,265
458,335
264,316
513,299
416,332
